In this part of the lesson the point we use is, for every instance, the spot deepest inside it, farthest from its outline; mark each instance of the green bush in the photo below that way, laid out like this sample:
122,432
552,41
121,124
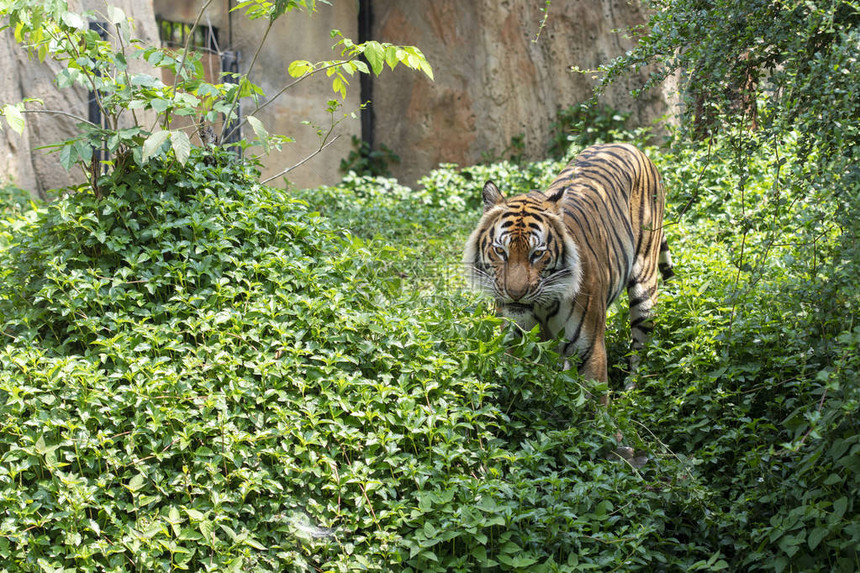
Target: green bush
753,365
13,199
363,160
583,125
201,373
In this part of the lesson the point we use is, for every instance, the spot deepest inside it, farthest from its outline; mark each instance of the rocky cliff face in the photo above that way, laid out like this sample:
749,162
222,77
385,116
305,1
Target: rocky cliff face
494,82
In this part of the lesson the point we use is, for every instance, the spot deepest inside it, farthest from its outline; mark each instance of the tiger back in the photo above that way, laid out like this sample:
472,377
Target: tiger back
560,257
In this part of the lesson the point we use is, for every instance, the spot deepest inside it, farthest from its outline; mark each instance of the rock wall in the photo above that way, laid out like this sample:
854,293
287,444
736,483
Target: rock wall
493,81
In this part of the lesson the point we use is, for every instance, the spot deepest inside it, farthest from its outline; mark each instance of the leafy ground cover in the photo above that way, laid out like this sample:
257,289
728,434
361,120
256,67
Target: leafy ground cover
202,373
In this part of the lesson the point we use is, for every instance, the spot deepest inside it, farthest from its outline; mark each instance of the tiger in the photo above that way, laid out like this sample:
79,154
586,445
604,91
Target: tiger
557,259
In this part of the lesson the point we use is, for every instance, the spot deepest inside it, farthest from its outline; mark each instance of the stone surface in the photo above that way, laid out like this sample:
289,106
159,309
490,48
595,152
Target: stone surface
298,36
493,81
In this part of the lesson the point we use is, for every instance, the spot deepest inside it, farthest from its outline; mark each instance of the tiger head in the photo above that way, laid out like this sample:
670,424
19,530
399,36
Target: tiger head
522,253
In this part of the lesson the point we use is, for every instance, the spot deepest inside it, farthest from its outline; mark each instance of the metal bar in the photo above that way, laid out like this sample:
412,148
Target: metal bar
94,112
365,31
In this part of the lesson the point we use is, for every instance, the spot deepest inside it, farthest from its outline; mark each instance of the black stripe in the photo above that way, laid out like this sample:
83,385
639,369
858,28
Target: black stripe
588,353
639,300
573,339
556,306
645,329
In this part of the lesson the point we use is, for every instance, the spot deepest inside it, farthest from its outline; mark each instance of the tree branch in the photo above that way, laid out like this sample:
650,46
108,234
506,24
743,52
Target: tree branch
64,113
303,161
247,75
281,92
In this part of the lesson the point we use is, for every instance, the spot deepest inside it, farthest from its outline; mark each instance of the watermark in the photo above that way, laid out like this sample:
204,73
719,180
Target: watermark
431,280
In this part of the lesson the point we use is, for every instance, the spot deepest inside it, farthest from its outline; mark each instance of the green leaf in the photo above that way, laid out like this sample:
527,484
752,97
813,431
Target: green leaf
14,118
206,528
181,145
186,534
153,143
115,15
338,87
361,66
68,155
815,537
255,544
839,507
425,67
136,482
84,149
391,56
299,68
144,80
261,132
173,515
194,514
375,54
159,104
73,20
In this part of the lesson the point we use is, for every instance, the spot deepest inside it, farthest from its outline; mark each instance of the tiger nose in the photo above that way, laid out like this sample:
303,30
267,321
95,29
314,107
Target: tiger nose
515,286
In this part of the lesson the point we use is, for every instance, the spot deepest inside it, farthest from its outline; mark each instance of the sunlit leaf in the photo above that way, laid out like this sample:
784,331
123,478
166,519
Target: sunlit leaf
181,145
375,55
14,118
153,144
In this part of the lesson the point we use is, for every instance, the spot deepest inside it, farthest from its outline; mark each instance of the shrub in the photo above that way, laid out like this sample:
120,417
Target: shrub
363,160
585,124
200,373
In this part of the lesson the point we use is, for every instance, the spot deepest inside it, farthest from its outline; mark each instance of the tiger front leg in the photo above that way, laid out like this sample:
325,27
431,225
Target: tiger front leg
588,345
594,366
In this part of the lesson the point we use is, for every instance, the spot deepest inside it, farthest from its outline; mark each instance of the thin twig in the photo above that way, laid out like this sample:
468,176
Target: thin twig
187,43
95,91
58,112
281,92
303,161
542,25
235,101
127,75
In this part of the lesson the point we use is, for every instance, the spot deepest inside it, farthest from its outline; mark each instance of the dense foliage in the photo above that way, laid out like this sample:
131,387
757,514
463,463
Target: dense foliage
777,81
202,373
198,372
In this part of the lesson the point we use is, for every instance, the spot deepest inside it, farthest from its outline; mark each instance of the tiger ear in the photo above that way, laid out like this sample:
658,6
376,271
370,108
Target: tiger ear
492,196
555,195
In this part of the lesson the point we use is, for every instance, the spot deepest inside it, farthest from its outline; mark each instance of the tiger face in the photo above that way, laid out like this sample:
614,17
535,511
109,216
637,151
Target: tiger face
522,255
